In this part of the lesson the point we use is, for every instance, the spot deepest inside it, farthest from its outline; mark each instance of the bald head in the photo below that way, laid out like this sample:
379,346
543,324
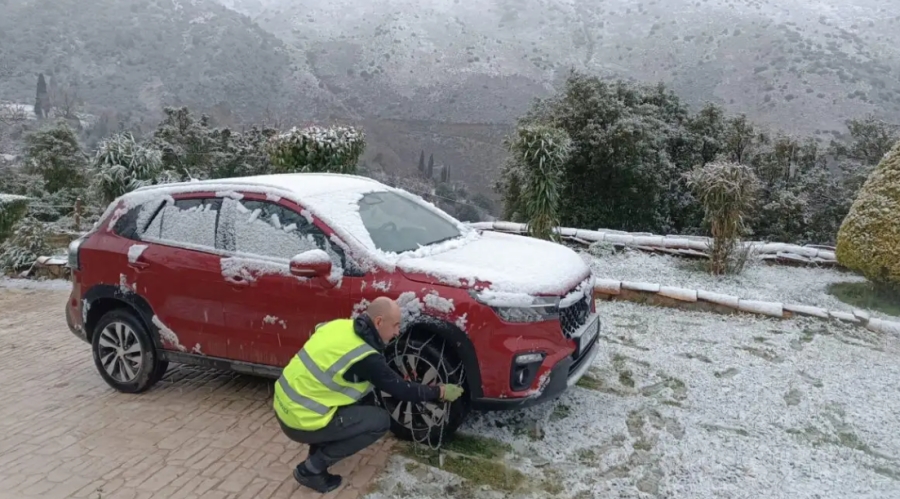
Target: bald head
385,315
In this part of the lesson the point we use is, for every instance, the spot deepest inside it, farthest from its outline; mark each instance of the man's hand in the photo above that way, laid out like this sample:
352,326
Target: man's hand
451,392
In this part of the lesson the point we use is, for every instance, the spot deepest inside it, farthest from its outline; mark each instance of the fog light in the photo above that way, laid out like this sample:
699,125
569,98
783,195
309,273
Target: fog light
529,358
524,370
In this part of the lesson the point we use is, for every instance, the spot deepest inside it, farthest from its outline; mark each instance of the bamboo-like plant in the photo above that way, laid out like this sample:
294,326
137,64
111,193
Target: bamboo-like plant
727,192
122,165
539,153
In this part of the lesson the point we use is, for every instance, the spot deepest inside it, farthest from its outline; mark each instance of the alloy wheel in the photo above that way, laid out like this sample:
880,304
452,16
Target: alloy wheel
417,416
120,352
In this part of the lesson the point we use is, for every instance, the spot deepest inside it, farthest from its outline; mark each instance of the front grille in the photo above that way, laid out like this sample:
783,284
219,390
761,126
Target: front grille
574,316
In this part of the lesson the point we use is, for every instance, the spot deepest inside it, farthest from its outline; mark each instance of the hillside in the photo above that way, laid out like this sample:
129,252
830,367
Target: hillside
139,56
800,65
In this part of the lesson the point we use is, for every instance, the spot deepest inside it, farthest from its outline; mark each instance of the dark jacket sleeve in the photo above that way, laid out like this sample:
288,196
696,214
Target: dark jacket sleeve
375,370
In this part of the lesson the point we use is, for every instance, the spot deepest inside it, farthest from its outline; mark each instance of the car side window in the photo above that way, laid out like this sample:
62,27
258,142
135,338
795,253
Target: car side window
268,229
187,221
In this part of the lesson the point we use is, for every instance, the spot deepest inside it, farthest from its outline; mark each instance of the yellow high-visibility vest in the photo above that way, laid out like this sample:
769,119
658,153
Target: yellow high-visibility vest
312,386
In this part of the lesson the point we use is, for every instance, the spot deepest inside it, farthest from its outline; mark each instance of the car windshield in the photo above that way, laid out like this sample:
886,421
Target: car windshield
397,223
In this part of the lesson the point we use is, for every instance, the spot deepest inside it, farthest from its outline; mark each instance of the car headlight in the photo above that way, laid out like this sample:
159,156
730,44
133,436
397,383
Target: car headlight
520,308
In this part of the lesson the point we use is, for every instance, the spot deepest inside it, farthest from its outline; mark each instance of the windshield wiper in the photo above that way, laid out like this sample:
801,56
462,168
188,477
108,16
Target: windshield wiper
439,241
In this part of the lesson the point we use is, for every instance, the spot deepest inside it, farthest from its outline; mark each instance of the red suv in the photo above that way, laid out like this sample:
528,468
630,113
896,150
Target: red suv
238,273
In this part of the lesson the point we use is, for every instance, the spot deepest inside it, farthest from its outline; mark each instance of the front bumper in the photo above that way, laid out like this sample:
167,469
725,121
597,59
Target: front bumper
564,374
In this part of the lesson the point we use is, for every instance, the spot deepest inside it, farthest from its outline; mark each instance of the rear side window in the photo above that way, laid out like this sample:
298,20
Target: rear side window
188,221
269,229
134,222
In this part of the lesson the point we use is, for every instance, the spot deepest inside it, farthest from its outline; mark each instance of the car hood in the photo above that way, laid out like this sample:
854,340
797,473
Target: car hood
508,263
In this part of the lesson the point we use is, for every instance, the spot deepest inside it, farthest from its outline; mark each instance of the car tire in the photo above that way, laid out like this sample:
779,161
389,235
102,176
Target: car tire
161,367
427,423
124,352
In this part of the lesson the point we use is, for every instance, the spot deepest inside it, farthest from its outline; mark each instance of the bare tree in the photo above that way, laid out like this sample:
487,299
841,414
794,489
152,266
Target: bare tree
11,114
66,104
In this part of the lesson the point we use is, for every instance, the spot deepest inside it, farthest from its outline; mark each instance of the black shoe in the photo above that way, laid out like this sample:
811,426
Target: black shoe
334,478
320,482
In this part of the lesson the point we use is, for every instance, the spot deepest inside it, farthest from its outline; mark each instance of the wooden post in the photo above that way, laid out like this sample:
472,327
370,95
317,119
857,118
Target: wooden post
78,214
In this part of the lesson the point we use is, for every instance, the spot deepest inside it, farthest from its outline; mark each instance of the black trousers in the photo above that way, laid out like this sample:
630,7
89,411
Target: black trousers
352,429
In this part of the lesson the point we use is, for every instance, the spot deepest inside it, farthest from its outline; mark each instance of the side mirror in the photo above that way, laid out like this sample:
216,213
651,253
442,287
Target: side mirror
312,263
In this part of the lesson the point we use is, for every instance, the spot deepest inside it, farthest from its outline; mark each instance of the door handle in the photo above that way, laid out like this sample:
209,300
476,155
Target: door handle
238,282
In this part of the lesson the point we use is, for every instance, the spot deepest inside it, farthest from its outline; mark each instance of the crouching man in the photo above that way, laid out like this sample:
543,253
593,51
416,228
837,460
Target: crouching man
317,396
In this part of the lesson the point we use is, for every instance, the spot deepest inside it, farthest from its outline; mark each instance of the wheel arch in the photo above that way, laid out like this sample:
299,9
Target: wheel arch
454,337
103,298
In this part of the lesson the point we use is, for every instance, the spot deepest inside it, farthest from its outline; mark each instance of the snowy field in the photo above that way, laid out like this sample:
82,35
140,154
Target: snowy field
693,405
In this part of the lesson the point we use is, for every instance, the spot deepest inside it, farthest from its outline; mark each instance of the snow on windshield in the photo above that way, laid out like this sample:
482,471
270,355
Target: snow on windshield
388,222
397,224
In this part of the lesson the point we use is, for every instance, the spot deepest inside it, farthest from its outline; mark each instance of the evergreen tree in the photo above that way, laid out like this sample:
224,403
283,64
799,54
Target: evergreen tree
55,154
422,163
430,171
42,99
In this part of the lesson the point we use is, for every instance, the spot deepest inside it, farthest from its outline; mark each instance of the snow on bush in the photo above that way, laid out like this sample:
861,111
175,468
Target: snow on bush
122,165
727,191
869,238
12,208
317,149
27,243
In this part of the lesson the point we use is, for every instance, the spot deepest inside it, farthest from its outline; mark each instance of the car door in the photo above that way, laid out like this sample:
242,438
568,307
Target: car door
269,312
177,271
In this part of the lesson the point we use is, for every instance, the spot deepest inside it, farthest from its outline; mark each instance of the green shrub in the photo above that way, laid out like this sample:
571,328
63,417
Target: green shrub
27,242
12,208
869,238
317,149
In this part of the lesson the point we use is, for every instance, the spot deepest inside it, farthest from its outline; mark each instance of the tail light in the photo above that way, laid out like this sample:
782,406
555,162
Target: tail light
75,254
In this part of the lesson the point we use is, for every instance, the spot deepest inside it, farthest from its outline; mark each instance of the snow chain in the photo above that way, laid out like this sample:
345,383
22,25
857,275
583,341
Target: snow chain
420,443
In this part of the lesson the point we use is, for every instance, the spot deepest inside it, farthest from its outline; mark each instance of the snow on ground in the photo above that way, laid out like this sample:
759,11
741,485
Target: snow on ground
49,284
690,404
684,404
759,281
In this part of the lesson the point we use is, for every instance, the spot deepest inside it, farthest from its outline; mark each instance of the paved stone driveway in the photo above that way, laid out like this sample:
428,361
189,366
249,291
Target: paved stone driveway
197,434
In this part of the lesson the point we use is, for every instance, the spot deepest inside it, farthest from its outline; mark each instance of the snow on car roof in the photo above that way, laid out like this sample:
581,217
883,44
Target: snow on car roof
309,184
330,196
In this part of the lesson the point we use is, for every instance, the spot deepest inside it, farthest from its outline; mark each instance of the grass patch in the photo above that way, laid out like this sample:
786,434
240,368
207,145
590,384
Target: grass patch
868,296
586,456
625,377
476,470
590,382
552,483
473,445
561,411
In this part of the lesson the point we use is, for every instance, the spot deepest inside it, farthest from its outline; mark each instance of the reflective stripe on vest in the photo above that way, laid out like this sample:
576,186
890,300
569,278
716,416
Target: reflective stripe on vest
308,394
300,399
326,378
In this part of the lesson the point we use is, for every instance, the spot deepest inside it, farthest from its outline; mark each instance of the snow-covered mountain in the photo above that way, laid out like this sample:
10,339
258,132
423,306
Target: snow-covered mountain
801,65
